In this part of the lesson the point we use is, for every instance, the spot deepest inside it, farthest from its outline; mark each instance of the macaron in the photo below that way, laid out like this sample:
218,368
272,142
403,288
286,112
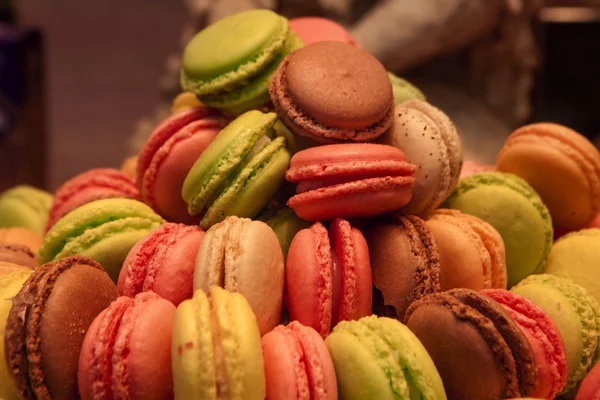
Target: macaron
318,29
162,262
21,236
473,167
185,101
544,337
561,165
515,210
216,348
405,260
129,166
333,92
328,276
577,316
380,358
104,230
590,386
430,141
349,180
47,324
10,285
239,172
298,364
472,253
244,256
95,184
229,63
575,256
26,207
286,224
478,349
169,154
403,90
18,254
126,353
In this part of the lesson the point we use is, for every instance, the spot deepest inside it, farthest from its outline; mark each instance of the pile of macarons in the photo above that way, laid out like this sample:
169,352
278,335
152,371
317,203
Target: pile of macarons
303,227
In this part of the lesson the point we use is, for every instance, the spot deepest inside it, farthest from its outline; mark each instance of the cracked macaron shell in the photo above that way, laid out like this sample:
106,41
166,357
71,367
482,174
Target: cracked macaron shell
298,364
244,256
496,359
561,165
577,316
162,262
405,261
430,141
328,276
515,210
104,230
380,358
127,350
47,324
216,348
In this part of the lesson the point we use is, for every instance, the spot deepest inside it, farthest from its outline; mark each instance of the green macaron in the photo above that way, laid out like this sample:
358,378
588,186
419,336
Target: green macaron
285,223
104,230
380,358
577,316
228,64
239,172
516,211
403,90
25,206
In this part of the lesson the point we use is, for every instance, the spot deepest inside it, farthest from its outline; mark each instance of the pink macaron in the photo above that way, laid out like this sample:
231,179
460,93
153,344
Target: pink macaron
472,167
328,276
590,386
317,29
163,262
349,180
169,154
126,353
298,364
95,184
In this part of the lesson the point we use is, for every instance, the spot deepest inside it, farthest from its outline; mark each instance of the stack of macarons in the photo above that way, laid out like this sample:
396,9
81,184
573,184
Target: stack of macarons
302,226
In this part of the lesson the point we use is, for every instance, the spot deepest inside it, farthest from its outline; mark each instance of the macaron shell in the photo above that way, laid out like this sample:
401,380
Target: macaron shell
244,256
10,285
316,29
570,162
309,279
22,236
431,142
286,224
404,90
170,165
25,206
149,350
590,386
575,256
17,254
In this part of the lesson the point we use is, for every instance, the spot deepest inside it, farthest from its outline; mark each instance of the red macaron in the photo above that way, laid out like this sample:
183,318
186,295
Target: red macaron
169,154
298,364
349,180
328,276
543,336
126,353
95,184
163,262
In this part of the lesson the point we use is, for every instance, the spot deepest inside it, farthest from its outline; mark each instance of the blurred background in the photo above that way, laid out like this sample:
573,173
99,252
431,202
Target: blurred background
83,83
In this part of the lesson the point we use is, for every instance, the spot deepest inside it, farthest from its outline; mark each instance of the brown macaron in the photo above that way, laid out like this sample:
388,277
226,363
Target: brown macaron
479,351
333,92
47,324
18,254
405,261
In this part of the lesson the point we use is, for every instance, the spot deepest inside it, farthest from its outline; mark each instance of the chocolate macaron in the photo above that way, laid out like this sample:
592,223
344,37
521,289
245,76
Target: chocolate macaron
333,92
478,349
47,323
405,261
